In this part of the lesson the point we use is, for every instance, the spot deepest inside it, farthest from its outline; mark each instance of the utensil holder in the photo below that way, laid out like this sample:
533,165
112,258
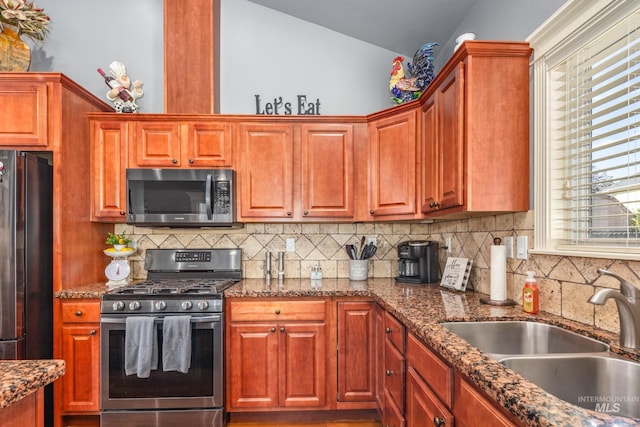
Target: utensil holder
358,269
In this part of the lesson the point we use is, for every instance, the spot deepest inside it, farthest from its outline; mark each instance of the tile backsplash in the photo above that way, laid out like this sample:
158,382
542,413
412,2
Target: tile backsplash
565,283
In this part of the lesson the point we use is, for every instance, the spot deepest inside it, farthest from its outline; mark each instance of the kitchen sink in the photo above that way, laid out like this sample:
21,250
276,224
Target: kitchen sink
507,338
603,383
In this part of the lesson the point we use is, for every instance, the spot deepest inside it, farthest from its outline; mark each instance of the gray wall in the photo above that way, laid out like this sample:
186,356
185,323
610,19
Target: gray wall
262,52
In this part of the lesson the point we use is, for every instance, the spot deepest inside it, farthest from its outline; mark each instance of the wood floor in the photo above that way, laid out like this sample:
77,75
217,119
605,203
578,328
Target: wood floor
328,424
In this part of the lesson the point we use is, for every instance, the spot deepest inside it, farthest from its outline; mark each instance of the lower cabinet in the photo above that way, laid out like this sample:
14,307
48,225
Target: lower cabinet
79,390
277,354
423,406
472,409
356,353
394,372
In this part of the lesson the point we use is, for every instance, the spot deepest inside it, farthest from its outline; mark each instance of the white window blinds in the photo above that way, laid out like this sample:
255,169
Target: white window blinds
594,106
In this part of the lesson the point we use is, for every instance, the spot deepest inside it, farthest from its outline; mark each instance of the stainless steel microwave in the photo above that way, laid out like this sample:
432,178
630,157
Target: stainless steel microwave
181,197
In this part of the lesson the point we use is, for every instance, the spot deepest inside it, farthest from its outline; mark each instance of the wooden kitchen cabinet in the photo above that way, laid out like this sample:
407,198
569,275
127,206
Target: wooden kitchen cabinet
393,151
475,132
266,153
81,352
394,371
296,172
24,118
357,353
277,355
109,161
472,409
429,386
176,143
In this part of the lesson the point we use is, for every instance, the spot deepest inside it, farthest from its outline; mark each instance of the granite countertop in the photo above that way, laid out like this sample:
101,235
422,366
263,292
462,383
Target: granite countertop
19,378
421,308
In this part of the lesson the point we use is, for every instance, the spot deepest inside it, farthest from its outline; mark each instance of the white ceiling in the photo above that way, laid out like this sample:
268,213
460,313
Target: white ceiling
398,25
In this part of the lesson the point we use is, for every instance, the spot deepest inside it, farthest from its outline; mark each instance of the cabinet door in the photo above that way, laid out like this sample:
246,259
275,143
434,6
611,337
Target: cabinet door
81,382
156,144
108,170
423,407
431,160
392,165
356,351
379,337
394,374
208,145
253,367
472,409
266,170
303,364
450,98
393,416
327,181
23,121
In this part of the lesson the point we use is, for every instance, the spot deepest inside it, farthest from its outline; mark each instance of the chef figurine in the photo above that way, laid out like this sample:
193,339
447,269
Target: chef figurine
124,98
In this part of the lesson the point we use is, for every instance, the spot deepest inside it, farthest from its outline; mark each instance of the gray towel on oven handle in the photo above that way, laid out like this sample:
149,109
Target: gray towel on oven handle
176,343
140,346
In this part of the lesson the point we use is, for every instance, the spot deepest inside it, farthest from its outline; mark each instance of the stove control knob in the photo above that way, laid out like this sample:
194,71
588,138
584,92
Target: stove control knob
135,305
160,305
187,305
118,306
203,305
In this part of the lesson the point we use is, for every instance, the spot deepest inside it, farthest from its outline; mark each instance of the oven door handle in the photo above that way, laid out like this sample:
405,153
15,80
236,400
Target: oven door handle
200,319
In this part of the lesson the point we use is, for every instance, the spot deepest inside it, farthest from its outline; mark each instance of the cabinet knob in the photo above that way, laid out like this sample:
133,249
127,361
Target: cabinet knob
277,311
438,422
191,161
281,328
388,330
389,372
371,211
434,204
288,213
123,213
305,213
273,329
93,332
174,161
78,313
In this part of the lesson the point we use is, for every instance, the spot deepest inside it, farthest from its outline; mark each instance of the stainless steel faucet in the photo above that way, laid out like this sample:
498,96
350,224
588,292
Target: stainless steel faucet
628,302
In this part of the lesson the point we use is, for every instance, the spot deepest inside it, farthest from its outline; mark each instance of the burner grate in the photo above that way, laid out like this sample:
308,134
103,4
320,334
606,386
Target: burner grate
178,287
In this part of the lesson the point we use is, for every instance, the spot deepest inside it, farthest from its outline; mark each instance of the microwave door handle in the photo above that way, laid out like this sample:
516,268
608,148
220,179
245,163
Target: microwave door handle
207,197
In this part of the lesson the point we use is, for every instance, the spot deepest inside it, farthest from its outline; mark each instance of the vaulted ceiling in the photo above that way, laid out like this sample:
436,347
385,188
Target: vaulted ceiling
398,25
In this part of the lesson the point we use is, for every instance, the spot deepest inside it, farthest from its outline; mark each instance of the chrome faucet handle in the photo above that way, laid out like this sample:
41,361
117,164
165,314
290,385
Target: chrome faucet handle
628,289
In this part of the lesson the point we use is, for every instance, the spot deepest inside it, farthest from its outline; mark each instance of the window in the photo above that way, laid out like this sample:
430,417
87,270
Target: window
587,130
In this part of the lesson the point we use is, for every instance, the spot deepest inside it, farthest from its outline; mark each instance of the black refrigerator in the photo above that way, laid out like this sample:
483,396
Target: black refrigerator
26,259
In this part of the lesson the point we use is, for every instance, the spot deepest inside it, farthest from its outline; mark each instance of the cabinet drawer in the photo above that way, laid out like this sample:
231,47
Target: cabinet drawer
261,310
394,330
436,373
392,415
394,374
80,312
473,409
422,404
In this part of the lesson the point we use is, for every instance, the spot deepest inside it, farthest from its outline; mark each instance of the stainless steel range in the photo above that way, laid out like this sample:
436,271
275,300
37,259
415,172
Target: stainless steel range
161,342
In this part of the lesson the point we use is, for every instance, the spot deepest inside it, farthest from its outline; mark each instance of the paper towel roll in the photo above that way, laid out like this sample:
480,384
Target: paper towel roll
498,273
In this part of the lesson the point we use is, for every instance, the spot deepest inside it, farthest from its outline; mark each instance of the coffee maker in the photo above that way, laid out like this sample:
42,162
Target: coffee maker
418,261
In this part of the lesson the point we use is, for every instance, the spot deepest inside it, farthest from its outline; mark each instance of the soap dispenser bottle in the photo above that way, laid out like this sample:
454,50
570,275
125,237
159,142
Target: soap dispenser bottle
530,294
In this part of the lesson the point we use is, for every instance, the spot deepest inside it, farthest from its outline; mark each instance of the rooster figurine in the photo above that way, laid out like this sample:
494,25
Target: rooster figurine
405,89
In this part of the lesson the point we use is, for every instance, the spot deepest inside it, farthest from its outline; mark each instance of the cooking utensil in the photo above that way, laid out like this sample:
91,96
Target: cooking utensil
361,246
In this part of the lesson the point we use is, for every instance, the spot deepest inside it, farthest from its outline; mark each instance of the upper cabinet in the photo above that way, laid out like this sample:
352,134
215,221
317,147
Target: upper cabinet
23,121
475,132
392,165
296,171
461,149
169,144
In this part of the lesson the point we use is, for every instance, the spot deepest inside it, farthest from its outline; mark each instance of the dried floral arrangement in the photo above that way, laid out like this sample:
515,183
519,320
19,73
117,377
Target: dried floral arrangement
27,18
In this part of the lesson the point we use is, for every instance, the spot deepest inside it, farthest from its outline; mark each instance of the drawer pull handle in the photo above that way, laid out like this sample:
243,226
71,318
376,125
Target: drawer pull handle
191,161
273,329
78,313
174,161
388,330
93,332
277,311
123,213
389,372
282,329
438,422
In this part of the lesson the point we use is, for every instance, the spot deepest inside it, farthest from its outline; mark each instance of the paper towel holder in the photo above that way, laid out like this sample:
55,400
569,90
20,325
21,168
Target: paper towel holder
488,300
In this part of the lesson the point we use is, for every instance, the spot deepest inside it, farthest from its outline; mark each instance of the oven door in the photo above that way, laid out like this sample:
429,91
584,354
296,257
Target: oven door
201,387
